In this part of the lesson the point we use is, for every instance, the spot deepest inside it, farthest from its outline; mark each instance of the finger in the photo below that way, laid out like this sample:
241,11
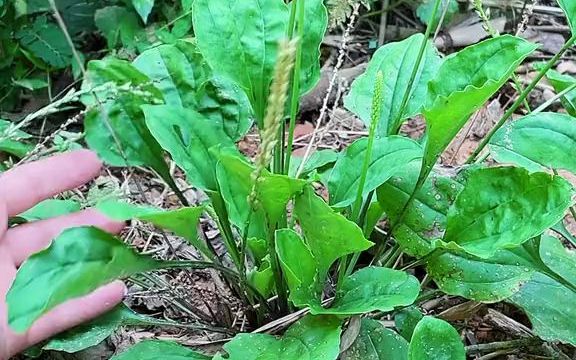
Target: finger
73,313
25,240
24,186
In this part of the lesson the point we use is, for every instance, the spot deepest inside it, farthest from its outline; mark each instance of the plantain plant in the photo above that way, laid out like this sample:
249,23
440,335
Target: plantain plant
483,233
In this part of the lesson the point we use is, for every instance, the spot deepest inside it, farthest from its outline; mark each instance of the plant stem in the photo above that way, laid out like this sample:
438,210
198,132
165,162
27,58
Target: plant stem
295,92
344,268
494,34
501,345
280,151
396,124
277,270
199,265
403,212
291,20
521,99
220,216
361,221
393,256
376,108
544,106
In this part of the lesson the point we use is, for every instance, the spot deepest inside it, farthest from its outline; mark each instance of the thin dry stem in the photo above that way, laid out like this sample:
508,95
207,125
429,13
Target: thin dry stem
341,56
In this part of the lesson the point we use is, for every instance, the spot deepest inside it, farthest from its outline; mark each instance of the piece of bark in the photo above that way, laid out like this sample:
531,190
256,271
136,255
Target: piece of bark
315,98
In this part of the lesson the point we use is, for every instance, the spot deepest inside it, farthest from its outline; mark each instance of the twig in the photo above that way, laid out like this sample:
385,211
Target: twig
502,345
339,63
383,22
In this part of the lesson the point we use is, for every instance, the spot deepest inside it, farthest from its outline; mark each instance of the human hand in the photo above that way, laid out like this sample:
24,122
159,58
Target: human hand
20,189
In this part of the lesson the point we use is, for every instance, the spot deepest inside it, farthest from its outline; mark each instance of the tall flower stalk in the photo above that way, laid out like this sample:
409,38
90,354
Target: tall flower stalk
277,101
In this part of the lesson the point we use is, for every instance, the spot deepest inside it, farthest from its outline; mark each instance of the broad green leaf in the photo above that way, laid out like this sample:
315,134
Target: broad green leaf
425,219
561,82
548,296
46,41
28,7
390,155
120,137
424,12
119,26
569,8
240,41
182,221
315,24
328,234
487,280
312,338
262,278
258,248
119,75
251,347
155,349
371,289
502,208
374,214
98,330
31,84
406,320
464,82
78,262
523,276
177,71
272,192
435,339
375,342
316,161
537,142
15,144
188,136
299,268
115,126
49,209
221,100
143,8
396,61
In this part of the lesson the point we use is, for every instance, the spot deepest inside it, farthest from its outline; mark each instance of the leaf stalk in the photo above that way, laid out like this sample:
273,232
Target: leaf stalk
521,99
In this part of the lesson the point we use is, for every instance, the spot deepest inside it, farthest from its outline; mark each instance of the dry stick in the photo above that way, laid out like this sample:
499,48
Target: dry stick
383,22
324,109
521,99
502,345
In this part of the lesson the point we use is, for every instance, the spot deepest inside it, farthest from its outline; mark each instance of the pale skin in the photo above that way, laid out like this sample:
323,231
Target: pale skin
20,189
